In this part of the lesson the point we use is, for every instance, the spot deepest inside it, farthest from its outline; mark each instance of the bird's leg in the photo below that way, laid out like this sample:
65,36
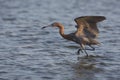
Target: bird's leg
78,52
85,52
91,47
81,49
84,49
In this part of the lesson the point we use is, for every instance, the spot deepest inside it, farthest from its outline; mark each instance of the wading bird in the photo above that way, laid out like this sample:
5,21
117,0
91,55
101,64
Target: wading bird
85,34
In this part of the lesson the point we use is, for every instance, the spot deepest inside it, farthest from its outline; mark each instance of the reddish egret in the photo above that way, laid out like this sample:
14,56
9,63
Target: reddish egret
85,34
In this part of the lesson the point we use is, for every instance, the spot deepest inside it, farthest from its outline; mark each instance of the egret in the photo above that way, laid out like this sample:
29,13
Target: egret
86,32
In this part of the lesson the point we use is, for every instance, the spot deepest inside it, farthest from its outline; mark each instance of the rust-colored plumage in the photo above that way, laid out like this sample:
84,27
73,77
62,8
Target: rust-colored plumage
86,33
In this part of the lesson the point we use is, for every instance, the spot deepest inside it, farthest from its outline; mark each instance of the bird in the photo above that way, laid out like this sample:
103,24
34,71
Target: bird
86,32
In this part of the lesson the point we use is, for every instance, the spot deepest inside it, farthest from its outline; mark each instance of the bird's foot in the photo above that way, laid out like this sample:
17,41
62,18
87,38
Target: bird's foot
87,55
78,52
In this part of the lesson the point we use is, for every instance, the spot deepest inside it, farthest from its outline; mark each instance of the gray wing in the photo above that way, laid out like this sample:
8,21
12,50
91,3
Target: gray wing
88,25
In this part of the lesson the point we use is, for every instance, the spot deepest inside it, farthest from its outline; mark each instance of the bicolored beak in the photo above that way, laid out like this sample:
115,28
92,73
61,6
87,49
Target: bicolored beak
46,26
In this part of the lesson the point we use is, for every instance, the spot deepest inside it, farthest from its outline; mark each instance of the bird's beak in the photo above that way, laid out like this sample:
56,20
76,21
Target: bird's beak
46,26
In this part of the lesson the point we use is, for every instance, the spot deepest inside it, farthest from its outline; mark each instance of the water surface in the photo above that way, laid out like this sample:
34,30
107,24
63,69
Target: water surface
29,53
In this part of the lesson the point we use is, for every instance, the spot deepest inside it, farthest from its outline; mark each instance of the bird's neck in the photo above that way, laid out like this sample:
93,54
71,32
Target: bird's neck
61,31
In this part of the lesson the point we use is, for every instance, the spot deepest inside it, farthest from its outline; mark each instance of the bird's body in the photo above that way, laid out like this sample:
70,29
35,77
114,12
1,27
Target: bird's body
86,33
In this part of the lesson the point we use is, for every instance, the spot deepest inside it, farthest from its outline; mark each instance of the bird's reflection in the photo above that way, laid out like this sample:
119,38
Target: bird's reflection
86,67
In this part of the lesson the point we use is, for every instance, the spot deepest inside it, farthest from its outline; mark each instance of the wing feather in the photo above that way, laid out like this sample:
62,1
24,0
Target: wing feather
88,25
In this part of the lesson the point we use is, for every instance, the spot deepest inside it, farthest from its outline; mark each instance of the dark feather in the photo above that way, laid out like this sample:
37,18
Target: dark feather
88,26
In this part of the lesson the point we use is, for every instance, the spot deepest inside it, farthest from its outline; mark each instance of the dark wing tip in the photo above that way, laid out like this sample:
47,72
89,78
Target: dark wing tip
91,18
98,18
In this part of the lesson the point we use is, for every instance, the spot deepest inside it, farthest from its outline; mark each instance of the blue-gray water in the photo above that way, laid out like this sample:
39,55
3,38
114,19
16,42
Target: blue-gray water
29,53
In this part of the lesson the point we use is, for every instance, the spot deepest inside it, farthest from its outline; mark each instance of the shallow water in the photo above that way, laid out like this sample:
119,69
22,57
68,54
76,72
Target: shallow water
29,53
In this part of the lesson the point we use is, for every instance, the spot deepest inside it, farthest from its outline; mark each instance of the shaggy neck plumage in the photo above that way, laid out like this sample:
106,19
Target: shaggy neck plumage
61,30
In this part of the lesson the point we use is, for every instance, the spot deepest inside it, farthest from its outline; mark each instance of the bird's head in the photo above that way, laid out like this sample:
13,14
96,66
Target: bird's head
55,24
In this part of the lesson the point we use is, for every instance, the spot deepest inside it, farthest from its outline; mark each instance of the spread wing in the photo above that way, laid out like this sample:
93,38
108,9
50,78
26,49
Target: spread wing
88,25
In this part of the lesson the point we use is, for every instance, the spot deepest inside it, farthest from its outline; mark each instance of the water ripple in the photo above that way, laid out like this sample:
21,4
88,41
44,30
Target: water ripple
28,52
